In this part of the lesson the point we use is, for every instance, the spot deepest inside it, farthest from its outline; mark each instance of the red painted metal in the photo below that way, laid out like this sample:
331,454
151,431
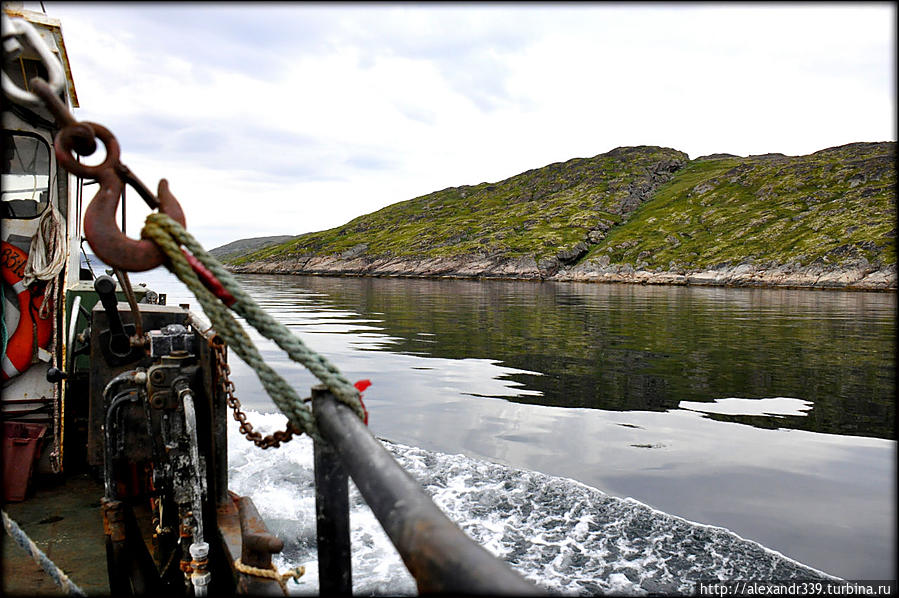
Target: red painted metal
20,449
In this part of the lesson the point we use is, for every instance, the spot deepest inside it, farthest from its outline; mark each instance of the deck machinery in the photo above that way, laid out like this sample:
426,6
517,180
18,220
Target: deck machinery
118,403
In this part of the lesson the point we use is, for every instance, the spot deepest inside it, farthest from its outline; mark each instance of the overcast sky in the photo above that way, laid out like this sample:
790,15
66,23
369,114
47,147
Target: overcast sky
286,118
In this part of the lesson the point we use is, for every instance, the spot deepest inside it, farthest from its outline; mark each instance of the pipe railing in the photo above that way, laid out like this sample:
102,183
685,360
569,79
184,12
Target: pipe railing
438,554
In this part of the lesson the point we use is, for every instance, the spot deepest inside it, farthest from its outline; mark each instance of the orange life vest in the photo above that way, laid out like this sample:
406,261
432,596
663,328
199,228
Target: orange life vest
21,347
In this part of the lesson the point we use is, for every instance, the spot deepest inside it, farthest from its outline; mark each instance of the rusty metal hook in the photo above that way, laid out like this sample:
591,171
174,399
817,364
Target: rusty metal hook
109,243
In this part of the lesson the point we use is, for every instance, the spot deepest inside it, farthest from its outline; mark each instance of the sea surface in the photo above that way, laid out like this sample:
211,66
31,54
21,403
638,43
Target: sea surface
599,438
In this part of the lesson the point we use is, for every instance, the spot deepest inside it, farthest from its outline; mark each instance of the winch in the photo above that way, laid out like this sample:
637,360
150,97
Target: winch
151,420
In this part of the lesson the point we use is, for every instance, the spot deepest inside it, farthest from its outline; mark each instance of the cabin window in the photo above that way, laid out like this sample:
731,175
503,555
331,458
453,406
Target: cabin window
26,175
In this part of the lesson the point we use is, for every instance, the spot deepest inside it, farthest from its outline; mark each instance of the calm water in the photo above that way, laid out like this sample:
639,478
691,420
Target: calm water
767,412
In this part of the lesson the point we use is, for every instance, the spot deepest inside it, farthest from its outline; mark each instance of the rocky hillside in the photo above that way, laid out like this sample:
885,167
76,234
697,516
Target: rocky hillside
236,249
638,214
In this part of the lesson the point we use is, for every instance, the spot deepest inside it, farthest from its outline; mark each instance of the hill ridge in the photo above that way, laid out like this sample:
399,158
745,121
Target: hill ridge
633,214
242,246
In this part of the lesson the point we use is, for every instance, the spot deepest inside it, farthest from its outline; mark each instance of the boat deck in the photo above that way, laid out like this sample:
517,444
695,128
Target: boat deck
63,518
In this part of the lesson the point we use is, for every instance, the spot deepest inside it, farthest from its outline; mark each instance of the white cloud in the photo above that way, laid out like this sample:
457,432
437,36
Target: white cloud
287,118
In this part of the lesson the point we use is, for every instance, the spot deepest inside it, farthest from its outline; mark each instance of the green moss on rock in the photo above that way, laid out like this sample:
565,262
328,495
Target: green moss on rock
539,212
646,208
836,206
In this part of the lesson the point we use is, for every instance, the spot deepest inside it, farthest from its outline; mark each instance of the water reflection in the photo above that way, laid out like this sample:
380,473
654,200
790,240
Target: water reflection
587,381
628,347
773,407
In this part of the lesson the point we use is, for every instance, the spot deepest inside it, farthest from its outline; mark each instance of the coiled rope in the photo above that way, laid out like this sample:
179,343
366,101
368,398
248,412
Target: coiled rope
55,573
47,255
46,259
170,237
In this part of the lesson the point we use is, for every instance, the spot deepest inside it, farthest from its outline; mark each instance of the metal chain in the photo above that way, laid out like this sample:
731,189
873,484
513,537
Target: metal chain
246,428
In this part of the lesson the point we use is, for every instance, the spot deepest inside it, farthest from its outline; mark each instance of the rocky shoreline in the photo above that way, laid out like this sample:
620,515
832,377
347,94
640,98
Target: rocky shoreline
858,276
641,215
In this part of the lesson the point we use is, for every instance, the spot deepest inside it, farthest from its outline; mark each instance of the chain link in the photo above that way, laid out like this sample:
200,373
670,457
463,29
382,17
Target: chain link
18,36
246,428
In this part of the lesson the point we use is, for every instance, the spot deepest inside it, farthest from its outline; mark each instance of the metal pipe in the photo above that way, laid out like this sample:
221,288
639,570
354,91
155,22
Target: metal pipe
217,404
202,327
118,339
130,396
137,377
200,576
332,518
198,484
125,284
438,554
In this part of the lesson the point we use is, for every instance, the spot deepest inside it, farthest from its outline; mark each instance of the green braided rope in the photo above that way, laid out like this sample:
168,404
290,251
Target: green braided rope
282,393
270,328
168,234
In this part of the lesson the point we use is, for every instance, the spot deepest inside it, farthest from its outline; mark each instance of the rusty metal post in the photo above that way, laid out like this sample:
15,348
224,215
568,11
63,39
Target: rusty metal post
441,558
130,567
257,547
258,544
332,517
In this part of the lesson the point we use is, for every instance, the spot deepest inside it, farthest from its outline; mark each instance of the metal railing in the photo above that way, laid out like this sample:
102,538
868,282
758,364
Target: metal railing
438,554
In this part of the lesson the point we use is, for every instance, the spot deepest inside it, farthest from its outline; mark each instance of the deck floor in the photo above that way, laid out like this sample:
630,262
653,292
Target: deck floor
65,521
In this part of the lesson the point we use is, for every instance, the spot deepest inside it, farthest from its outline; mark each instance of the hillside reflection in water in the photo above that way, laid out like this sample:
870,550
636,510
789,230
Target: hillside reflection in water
586,381
626,347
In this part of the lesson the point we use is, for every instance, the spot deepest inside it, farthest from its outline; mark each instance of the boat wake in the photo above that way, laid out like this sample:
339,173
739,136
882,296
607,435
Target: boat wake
567,537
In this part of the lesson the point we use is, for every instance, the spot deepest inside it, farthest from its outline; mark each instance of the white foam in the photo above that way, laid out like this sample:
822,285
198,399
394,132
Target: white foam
566,537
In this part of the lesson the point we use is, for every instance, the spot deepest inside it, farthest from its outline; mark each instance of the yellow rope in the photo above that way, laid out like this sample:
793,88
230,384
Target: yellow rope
271,573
